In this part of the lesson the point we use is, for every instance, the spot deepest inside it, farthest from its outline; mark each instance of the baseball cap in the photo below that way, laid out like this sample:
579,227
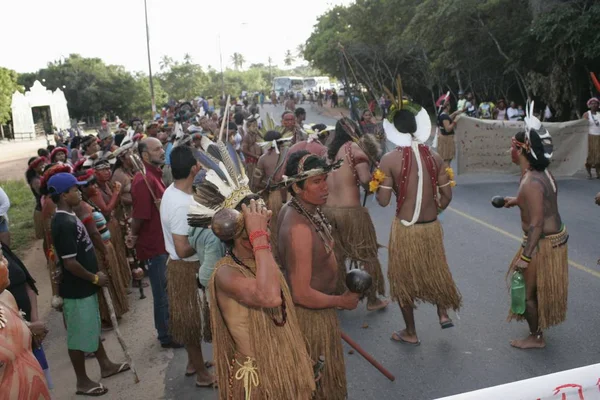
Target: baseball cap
62,183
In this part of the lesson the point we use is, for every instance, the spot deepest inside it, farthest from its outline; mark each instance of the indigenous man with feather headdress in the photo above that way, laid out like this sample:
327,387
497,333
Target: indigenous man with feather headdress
258,348
542,258
306,251
352,227
417,266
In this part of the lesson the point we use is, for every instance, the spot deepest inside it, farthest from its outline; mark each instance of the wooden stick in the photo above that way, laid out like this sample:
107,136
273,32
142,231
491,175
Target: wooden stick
225,118
368,357
113,319
139,165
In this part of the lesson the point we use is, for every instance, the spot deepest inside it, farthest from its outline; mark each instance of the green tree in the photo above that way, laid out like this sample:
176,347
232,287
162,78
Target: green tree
493,48
288,58
8,85
165,62
183,81
238,61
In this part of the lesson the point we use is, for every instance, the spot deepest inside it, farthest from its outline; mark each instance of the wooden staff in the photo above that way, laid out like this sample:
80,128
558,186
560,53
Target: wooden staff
139,166
113,319
368,357
225,118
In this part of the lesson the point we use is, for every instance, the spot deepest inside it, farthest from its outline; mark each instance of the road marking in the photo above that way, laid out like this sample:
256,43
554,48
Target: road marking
519,239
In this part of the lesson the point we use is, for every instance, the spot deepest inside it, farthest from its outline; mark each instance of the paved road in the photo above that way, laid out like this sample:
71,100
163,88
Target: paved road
480,242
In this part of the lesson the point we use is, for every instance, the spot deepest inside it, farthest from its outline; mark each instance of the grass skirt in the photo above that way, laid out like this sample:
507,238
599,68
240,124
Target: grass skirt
38,224
417,266
185,310
116,238
552,278
280,361
593,157
321,329
355,239
116,288
446,147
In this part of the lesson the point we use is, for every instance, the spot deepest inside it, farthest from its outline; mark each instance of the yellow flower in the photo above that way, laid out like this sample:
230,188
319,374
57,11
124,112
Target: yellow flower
450,173
452,183
373,186
378,175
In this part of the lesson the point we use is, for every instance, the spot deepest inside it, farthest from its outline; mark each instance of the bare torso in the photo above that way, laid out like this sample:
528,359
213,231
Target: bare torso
125,179
539,181
324,268
250,147
343,186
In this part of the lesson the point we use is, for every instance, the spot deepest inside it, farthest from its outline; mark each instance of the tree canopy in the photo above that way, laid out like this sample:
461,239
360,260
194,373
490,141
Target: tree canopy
493,48
8,85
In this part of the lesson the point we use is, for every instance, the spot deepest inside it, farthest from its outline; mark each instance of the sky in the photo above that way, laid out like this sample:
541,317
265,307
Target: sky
39,31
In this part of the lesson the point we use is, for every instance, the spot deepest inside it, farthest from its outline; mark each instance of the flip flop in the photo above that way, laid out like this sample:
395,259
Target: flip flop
93,392
399,339
447,324
212,384
122,368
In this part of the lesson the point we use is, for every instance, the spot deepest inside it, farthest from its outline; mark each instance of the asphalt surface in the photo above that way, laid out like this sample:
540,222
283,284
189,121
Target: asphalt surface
480,243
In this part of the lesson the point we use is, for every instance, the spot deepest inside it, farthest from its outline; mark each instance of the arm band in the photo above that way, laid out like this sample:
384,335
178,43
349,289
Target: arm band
525,258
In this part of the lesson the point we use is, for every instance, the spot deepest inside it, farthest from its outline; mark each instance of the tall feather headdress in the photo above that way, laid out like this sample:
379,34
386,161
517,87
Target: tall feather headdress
225,184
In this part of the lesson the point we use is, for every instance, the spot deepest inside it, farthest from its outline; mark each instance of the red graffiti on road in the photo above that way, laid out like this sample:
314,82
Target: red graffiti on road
569,386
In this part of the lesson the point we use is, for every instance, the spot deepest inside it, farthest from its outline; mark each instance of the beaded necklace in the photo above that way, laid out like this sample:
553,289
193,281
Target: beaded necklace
321,224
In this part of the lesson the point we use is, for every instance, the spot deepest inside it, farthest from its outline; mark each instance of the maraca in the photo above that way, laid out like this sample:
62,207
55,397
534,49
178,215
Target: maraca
358,281
498,201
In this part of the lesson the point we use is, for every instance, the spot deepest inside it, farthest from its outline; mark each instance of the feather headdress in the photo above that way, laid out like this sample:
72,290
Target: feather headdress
422,120
225,184
534,126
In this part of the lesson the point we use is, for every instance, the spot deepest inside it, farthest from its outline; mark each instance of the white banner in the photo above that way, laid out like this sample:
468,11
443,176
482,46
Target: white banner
483,145
575,384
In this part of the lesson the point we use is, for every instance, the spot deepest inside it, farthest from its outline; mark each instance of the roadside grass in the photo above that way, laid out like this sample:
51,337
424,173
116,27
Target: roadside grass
20,215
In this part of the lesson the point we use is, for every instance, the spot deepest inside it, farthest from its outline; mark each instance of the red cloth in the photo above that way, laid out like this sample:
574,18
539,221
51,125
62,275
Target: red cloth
150,241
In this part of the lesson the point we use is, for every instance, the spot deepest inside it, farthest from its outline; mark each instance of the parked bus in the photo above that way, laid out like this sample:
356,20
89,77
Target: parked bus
288,84
316,83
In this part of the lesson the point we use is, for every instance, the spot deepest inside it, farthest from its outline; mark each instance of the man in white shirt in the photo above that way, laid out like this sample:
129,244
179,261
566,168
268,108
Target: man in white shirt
185,315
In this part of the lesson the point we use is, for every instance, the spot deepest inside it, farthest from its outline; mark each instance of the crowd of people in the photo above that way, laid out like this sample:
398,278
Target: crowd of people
248,235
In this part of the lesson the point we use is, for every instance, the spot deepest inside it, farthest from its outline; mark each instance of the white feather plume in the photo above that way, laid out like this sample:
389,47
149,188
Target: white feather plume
213,178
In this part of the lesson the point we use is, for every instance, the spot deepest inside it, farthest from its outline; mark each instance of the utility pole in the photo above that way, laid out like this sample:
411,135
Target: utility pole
149,62
222,76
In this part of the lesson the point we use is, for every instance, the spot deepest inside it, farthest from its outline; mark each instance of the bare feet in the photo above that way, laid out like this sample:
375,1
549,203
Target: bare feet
206,380
377,304
530,342
403,337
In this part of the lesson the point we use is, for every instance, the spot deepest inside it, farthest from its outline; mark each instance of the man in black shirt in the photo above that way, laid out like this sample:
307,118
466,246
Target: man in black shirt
79,285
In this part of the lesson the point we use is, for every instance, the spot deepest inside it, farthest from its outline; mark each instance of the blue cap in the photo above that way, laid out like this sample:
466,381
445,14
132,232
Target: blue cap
62,183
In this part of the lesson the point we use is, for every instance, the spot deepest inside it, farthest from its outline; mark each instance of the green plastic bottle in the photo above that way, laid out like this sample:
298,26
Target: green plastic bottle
517,293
